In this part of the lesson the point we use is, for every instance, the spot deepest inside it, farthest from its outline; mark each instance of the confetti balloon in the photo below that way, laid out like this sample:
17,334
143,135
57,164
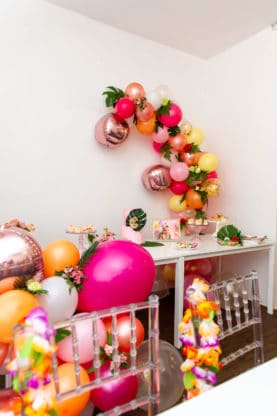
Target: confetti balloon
111,130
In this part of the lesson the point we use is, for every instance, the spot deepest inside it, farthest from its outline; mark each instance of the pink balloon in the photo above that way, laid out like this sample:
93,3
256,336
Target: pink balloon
115,393
179,171
161,135
118,273
173,118
84,343
212,175
157,146
179,188
156,178
125,107
111,130
199,266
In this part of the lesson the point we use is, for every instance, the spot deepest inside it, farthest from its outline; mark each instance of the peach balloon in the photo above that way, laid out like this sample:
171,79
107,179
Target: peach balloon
146,127
134,91
59,254
145,112
193,199
14,306
177,142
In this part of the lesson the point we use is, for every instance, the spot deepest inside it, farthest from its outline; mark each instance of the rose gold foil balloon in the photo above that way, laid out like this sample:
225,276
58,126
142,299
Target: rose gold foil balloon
111,130
156,178
134,91
20,254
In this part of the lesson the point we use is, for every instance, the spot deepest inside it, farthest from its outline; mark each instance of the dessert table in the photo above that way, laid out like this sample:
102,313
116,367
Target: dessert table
169,253
252,392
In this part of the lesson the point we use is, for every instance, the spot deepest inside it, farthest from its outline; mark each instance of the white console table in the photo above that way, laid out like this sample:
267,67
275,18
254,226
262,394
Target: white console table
208,247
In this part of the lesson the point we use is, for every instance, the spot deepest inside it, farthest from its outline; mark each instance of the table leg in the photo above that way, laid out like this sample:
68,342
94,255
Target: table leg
270,283
179,298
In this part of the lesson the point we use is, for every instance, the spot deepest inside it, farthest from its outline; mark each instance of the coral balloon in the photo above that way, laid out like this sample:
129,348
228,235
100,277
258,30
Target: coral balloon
8,283
208,162
14,306
111,130
179,171
114,393
67,381
84,340
161,135
145,111
4,348
179,188
178,142
124,332
193,199
146,127
156,178
125,107
173,118
195,136
188,158
134,91
10,402
176,204
60,301
59,254
120,272
199,266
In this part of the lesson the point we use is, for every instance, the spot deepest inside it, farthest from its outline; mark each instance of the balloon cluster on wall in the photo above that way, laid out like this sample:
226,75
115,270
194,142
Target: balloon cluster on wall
187,171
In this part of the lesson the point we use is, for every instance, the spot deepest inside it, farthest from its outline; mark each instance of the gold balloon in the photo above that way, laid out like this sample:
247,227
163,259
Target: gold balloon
195,136
175,203
213,187
185,127
169,272
208,162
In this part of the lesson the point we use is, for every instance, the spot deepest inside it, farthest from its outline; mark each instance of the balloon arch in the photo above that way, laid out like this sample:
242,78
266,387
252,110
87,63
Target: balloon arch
184,168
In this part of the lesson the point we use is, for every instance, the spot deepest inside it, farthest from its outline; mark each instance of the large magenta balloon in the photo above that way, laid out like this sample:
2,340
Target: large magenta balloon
115,393
118,273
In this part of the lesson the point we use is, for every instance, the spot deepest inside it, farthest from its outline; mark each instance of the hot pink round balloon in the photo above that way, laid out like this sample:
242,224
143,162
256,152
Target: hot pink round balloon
118,273
179,188
179,171
161,135
157,146
115,393
84,340
111,130
156,178
173,118
212,175
125,107
199,266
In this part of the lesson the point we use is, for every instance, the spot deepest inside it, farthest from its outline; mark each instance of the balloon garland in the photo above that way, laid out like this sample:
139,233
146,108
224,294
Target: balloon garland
199,336
187,171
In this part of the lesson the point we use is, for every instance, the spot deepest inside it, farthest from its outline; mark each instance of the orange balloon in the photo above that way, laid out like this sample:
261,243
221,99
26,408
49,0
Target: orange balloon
10,402
197,157
146,127
8,283
58,255
193,199
177,142
124,332
67,381
14,306
4,348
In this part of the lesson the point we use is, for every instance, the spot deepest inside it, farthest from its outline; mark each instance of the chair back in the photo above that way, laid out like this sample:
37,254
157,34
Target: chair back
238,301
151,367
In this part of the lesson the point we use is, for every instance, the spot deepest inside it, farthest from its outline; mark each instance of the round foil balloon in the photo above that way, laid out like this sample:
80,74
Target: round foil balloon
20,254
156,178
111,130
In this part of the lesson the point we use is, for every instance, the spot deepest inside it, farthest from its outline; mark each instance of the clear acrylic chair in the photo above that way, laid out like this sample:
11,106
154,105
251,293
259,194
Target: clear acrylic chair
151,367
238,301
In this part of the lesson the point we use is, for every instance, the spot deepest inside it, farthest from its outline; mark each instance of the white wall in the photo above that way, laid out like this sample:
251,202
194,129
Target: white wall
55,65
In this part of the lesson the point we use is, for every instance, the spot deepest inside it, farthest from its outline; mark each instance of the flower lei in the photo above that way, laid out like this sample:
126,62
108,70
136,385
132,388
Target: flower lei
31,369
199,336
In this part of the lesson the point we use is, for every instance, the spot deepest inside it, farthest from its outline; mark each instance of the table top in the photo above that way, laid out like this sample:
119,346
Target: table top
207,247
252,392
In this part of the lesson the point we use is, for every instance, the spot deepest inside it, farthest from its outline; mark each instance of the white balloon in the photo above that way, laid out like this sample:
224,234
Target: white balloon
163,90
61,301
154,98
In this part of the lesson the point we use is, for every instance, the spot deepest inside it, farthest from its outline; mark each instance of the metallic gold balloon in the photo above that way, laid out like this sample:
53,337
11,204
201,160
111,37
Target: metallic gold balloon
20,254
185,127
111,130
156,178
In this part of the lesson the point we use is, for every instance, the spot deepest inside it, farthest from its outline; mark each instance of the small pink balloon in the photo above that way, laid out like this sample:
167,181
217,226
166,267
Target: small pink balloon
179,188
156,178
173,118
161,135
157,146
125,107
84,340
111,130
179,171
212,175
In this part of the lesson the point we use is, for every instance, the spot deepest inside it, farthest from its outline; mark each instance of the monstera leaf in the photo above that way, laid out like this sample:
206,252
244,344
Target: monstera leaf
136,219
229,234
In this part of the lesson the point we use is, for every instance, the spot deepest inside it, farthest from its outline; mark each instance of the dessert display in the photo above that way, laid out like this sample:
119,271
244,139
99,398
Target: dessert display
187,244
218,217
79,229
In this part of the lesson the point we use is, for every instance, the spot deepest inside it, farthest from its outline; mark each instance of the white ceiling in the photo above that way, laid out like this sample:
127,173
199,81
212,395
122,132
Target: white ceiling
202,28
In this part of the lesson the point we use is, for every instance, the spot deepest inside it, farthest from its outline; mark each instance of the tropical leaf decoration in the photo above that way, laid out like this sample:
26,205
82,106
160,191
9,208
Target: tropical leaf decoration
112,94
229,235
136,219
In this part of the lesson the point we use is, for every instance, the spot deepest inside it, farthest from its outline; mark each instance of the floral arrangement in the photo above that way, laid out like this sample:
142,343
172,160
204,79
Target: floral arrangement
20,224
199,337
31,369
185,169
